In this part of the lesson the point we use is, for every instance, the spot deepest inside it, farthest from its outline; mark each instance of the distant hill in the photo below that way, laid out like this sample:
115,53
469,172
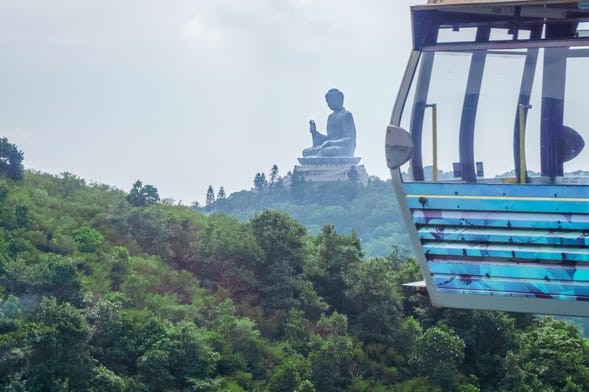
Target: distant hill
371,211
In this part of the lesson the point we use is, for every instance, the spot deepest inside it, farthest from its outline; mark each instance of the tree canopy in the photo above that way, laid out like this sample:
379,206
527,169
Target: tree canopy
142,195
98,294
11,160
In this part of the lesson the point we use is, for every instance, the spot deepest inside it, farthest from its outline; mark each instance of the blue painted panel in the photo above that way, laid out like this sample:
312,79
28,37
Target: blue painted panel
512,220
532,271
537,287
546,205
506,251
482,189
524,241
560,297
478,234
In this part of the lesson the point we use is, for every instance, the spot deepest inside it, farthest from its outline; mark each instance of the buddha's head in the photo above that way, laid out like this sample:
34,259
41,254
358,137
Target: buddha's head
335,99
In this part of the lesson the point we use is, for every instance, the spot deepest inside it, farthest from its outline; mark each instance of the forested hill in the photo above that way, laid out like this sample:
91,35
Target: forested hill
371,211
103,290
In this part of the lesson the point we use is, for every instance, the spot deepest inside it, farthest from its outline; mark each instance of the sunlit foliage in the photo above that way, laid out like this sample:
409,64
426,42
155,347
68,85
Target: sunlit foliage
98,294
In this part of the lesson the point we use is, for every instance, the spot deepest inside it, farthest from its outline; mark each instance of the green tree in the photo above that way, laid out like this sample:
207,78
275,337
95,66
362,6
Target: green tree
373,302
185,235
273,177
103,379
409,332
515,378
353,174
488,336
114,339
331,352
210,199
285,378
281,239
299,189
238,341
332,257
438,355
155,367
59,280
175,355
149,228
141,196
417,384
221,195
21,214
260,182
60,354
119,267
552,356
11,160
228,257
296,330
88,239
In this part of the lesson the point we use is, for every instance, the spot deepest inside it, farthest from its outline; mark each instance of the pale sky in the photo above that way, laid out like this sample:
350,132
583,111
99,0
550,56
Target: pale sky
183,94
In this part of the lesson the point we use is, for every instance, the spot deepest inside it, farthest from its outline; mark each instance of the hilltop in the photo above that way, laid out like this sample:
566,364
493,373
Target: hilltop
370,211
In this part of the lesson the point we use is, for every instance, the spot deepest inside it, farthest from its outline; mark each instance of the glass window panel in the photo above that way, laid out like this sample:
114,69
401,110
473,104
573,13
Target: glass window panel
497,111
446,90
465,34
576,108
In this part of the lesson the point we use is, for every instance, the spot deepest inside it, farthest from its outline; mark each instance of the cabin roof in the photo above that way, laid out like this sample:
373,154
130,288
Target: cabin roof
510,14
490,2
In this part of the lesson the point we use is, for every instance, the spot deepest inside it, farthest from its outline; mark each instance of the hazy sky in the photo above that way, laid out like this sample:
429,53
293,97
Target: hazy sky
184,94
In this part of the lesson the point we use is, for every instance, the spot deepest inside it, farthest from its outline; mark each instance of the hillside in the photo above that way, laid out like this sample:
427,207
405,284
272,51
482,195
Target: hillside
103,290
370,211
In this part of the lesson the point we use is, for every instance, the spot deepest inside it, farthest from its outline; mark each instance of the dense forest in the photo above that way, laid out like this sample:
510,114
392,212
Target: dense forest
368,210
106,290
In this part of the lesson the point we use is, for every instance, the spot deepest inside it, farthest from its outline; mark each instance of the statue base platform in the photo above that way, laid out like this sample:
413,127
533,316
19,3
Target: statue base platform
329,160
331,172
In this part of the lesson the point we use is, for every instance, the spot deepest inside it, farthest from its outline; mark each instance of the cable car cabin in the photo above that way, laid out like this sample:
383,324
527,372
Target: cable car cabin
485,148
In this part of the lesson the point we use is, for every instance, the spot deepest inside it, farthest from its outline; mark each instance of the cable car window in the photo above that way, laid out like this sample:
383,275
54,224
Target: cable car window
507,35
497,110
441,81
576,114
464,34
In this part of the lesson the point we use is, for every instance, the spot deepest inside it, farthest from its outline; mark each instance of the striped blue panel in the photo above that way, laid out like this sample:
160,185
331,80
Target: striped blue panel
481,189
487,269
510,252
512,220
515,294
497,203
504,240
497,197
537,288
516,236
